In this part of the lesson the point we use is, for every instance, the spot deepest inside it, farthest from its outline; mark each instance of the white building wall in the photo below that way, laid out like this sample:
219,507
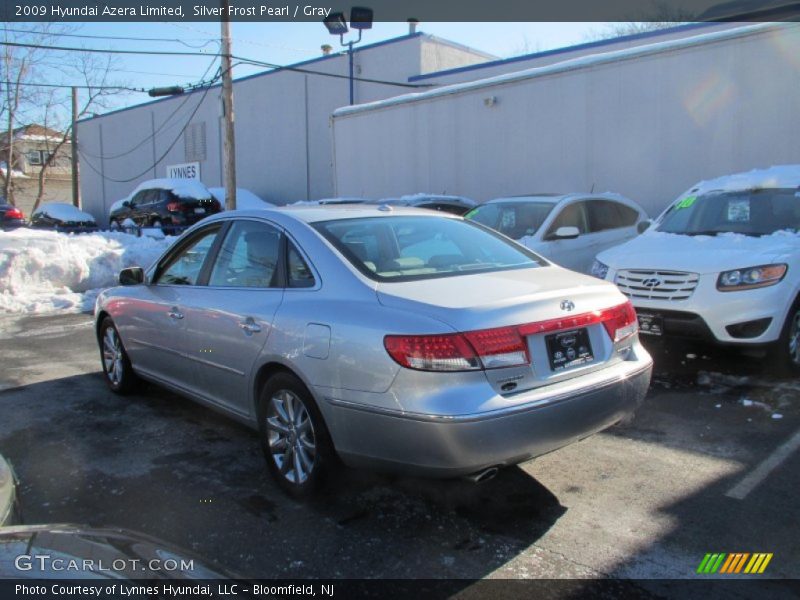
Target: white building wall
283,136
448,75
648,124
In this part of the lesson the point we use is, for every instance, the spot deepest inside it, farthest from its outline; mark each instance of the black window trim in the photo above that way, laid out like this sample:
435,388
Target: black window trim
168,259
279,277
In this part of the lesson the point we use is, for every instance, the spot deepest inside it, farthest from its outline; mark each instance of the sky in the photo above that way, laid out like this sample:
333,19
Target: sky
287,43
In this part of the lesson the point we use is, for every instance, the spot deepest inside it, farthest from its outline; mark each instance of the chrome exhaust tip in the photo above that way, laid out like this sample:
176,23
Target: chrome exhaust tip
482,476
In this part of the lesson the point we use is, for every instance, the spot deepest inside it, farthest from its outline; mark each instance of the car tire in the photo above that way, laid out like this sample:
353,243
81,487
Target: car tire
117,369
294,438
785,353
157,224
114,225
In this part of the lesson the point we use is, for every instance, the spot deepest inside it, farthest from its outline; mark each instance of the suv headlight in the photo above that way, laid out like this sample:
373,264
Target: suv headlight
599,269
750,278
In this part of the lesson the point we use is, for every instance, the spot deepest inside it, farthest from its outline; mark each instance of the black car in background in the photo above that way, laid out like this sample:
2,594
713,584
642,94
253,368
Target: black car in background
166,204
10,216
63,217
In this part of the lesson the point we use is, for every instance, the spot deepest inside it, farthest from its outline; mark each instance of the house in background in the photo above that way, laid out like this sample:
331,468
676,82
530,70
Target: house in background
33,146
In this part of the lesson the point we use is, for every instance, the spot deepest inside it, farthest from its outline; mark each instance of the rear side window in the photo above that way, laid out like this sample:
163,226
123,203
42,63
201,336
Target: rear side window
514,219
607,214
410,248
300,276
248,257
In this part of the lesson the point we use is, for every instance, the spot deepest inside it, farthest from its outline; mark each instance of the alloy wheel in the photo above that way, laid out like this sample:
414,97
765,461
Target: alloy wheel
112,356
290,436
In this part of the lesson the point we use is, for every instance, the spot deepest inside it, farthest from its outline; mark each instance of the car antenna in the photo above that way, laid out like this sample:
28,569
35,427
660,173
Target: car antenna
591,191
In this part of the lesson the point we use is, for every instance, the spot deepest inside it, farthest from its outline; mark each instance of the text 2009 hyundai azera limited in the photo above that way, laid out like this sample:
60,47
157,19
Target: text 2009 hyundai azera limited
396,338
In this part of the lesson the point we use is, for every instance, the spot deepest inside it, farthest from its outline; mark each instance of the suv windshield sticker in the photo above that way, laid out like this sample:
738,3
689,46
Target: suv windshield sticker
739,210
686,202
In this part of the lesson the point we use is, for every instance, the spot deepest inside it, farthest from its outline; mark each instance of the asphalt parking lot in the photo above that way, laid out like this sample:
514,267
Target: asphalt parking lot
707,465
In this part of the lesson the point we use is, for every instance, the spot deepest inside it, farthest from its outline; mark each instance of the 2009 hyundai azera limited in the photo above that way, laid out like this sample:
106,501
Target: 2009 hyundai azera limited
391,337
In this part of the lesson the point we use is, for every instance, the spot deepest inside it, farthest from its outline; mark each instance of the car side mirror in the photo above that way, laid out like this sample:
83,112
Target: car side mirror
643,226
131,276
127,204
566,233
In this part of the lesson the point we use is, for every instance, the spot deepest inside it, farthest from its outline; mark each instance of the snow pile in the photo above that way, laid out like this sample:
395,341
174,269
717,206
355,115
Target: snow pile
245,199
64,212
45,271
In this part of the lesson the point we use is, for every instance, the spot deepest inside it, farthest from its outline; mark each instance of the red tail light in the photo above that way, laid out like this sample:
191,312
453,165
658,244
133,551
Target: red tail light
501,346
620,322
216,205
174,207
14,213
449,352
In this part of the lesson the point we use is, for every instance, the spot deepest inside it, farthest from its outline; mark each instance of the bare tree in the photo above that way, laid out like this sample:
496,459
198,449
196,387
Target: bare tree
22,103
661,15
19,67
91,71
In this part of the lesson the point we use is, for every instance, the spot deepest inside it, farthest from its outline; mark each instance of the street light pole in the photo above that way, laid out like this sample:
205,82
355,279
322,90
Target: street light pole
360,18
229,145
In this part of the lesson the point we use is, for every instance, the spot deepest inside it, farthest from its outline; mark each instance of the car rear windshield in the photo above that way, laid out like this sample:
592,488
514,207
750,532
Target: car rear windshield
749,212
416,247
514,219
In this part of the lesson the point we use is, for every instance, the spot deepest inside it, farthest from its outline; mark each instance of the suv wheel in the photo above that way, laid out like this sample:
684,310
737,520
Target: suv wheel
114,225
786,351
294,438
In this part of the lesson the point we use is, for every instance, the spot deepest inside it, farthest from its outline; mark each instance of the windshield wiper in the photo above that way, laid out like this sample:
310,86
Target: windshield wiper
703,232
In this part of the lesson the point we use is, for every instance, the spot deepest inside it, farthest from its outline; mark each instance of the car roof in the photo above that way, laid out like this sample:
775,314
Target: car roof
555,198
315,214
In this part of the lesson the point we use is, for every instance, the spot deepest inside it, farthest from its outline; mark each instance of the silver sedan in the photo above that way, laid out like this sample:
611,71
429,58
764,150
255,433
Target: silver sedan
387,337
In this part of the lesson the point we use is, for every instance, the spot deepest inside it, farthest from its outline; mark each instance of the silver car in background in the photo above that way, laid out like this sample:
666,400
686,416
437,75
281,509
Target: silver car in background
394,338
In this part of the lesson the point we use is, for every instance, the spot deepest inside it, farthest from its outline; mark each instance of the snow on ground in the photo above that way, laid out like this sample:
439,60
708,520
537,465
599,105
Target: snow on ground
47,271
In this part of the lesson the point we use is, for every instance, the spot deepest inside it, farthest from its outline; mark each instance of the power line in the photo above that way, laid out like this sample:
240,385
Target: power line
117,38
107,50
67,86
239,58
160,158
163,124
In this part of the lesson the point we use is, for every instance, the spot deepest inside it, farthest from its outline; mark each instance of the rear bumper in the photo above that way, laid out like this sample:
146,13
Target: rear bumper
453,446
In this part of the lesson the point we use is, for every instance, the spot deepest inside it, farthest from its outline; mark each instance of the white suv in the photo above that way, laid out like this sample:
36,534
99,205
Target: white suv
721,264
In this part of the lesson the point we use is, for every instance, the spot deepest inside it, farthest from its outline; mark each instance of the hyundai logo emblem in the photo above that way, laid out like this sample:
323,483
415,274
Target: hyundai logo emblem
652,282
567,305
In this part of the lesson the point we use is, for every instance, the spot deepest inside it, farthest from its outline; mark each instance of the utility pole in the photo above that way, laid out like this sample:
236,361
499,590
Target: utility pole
228,146
76,167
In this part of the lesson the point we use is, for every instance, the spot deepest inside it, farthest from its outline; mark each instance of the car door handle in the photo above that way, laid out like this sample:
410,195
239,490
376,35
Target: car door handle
250,327
175,314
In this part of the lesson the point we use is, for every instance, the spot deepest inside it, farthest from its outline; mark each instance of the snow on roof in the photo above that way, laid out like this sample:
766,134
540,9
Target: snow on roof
245,199
183,188
443,197
780,176
15,173
63,212
582,62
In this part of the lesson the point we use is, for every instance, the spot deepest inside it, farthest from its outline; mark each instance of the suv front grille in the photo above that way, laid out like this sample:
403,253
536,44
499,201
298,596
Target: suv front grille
656,285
